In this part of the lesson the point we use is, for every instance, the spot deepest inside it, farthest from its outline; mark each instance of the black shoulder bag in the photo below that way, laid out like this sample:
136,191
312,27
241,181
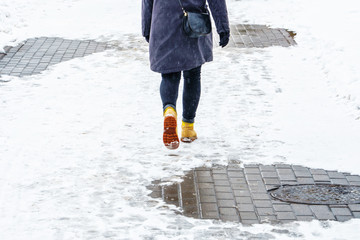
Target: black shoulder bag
196,24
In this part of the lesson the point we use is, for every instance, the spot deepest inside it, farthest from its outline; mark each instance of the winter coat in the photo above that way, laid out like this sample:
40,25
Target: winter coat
170,49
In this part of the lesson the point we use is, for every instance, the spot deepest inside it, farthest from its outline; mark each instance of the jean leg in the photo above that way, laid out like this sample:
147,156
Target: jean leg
169,89
191,93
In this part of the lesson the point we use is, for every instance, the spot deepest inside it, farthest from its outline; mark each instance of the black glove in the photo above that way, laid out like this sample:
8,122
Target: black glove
147,38
224,38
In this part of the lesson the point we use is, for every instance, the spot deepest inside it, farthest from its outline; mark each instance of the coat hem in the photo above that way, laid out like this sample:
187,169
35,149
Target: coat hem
179,69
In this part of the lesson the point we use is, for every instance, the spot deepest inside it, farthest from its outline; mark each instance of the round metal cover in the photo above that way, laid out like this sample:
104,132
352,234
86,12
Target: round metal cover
318,194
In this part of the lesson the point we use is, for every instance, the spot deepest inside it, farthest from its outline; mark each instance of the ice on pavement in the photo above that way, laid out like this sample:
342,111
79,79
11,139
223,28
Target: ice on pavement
81,141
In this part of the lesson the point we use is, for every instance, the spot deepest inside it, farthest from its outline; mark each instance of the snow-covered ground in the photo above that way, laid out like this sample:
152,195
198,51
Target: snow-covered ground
79,142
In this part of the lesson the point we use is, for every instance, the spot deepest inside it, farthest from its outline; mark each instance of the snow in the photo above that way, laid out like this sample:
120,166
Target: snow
80,141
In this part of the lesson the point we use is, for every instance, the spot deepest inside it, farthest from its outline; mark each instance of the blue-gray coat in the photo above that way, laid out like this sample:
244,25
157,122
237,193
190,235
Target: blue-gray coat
170,49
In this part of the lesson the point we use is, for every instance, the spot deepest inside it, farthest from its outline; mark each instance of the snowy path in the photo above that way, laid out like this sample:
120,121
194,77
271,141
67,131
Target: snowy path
80,142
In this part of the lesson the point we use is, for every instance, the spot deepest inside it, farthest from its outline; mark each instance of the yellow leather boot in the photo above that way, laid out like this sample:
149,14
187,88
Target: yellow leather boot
188,133
170,136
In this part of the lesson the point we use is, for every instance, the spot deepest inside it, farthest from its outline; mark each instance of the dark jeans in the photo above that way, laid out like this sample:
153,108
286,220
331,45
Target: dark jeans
169,89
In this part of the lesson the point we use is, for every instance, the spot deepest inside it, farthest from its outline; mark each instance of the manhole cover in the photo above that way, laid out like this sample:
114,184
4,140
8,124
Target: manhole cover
318,194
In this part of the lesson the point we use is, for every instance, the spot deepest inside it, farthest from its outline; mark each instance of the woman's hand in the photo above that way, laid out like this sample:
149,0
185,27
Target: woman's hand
224,38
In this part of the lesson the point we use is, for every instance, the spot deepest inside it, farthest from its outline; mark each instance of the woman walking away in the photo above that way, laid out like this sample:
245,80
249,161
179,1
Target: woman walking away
179,42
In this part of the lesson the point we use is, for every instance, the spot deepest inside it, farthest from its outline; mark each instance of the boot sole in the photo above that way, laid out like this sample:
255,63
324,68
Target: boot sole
170,137
188,140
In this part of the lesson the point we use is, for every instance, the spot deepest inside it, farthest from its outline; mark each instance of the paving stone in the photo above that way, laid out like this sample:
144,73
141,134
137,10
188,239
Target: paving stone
221,183
282,208
242,200
301,210
354,207
236,174
341,211
232,218
254,177
204,179
322,212
226,203
335,174
203,173
223,189
340,181
271,181
248,216
260,196
305,218
207,199
242,186
356,214
242,193
228,211
268,218
243,207
321,178
353,178
210,215
219,171
238,180
303,173
251,171
305,180
265,211
269,174
225,195
207,192
318,172
262,203
220,177
285,216
266,168
209,207
343,218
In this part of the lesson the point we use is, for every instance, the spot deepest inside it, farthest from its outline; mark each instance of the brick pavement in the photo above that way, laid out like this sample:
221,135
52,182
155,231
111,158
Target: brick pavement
241,194
37,54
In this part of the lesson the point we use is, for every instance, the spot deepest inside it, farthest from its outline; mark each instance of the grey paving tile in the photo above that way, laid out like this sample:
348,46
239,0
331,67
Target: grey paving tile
220,177
318,171
269,174
209,207
242,193
354,207
228,211
301,210
340,181
242,200
334,174
245,207
248,216
356,214
225,195
322,212
232,218
262,203
210,215
226,203
305,218
341,211
305,180
207,199
265,211
282,208
285,215
353,178
321,178
343,218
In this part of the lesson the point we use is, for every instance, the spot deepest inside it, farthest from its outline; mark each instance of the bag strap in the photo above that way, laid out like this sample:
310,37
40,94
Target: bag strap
182,7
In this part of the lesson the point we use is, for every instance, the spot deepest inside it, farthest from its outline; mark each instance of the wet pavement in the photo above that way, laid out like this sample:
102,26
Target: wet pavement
246,194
